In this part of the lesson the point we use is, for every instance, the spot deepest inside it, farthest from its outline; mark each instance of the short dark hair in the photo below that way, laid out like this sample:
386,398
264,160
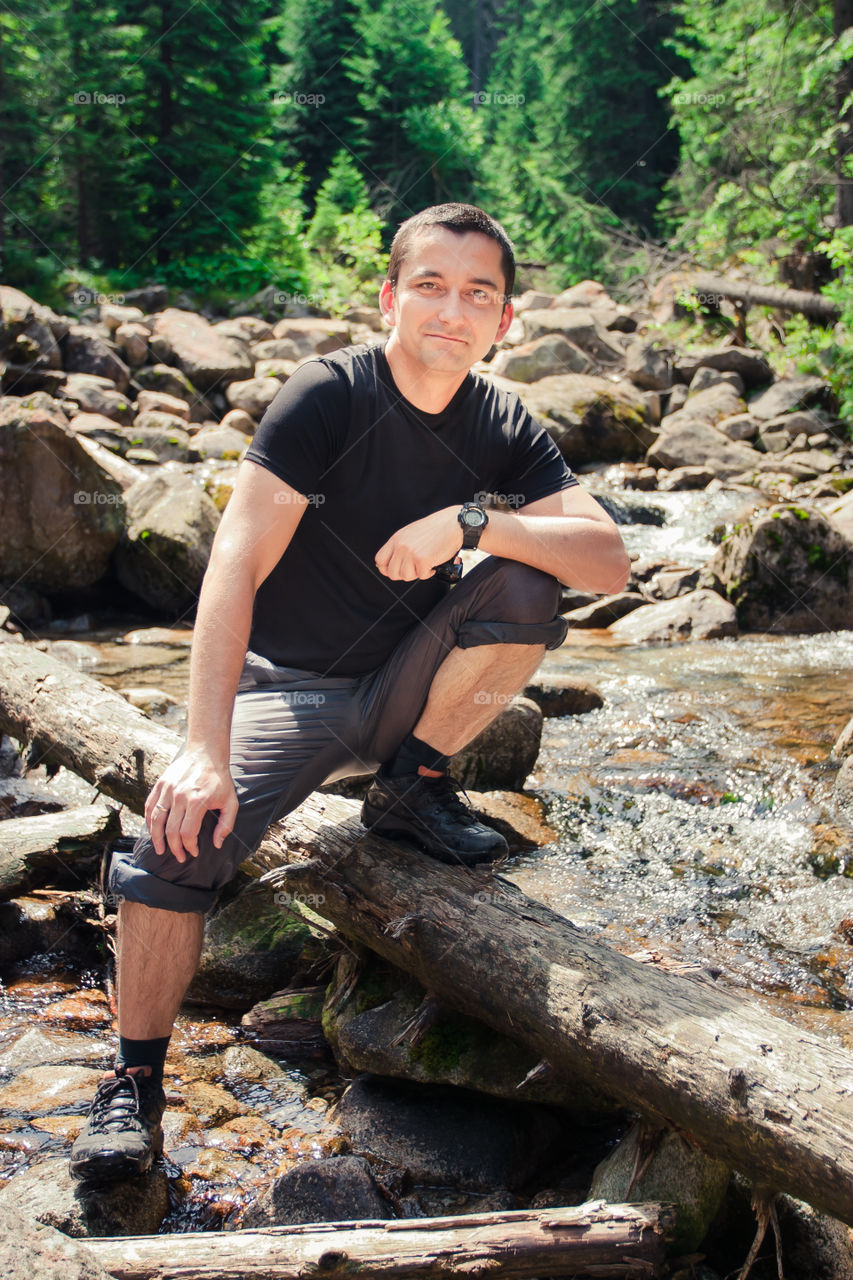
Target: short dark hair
459,218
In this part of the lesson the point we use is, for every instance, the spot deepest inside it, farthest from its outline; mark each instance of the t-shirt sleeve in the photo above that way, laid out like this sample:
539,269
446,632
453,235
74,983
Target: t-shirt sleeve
535,467
304,427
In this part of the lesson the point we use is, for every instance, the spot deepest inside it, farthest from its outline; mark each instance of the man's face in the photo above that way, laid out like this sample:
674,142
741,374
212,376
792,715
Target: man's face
447,309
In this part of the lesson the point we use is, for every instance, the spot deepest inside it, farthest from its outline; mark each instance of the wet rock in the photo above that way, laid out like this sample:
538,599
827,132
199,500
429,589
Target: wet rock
47,1192
669,583
211,1165
788,394
313,336
677,1172
154,702
220,442
787,570
814,1246
252,947
844,742
62,514
505,752
335,1190
164,552
577,324
33,926
444,1136
254,396
209,1104
843,791
591,419
44,1090
680,478
189,341
648,367
41,1047
550,354
750,365
521,819
32,1251
564,696
698,615
84,350
601,613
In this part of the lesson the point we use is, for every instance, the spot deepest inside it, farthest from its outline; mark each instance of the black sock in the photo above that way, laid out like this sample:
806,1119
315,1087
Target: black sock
144,1053
410,754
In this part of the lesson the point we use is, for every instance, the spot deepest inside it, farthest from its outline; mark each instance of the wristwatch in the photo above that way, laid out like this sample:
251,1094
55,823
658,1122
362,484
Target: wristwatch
473,520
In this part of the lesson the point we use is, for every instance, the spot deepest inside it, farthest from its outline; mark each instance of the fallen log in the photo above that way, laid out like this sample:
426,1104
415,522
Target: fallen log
770,1099
748,294
591,1240
33,850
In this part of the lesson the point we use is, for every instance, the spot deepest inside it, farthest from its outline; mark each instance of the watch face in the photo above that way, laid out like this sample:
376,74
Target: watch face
474,519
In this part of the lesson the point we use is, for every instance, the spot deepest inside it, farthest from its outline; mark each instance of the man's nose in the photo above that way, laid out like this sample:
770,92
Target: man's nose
451,306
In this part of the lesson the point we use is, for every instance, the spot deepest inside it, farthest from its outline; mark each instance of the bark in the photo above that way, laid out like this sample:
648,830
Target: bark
33,850
590,1240
772,1100
748,295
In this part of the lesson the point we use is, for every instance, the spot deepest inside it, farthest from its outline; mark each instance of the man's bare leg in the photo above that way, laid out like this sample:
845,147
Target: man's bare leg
470,689
158,951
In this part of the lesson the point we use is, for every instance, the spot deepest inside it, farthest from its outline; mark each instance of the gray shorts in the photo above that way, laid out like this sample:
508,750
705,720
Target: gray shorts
294,730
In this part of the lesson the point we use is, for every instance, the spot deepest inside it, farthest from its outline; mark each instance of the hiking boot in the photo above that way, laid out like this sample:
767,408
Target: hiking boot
122,1134
429,812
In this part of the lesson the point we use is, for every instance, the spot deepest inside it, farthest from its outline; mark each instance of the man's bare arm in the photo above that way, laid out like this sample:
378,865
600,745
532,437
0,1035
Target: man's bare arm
566,534
254,533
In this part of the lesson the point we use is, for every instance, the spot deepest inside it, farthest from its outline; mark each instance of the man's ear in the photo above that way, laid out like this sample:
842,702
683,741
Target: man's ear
505,322
387,303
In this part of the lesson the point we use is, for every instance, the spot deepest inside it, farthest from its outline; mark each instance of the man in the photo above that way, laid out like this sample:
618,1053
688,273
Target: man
326,644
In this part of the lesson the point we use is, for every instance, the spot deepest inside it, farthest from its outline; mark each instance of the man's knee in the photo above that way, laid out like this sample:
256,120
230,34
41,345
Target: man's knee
521,593
517,605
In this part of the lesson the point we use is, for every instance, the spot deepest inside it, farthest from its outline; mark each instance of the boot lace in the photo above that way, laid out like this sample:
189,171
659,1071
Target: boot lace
115,1106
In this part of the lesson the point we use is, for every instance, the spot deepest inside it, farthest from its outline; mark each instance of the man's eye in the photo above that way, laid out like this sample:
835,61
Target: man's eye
480,295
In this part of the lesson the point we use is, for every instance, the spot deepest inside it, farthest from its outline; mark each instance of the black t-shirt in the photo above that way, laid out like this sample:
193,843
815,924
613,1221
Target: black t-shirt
369,461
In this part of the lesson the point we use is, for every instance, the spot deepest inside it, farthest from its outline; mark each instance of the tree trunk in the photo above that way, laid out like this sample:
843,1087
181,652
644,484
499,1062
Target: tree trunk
748,294
842,20
33,850
590,1240
765,1096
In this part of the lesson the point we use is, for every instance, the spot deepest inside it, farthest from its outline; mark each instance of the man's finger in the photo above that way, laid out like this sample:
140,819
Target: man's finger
156,821
227,818
173,831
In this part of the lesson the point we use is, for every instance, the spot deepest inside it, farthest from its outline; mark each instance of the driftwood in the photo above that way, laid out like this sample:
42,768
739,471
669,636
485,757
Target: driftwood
591,1240
33,850
753,1090
748,294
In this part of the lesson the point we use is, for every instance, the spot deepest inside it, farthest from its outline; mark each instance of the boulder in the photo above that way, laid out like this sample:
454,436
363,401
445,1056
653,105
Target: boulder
741,426
280,369
62,514
813,1244
789,394
671,582
84,350
114,316
579,326
367,317
444,1136
685,441
224,441
314,336
840,512
532,300
161,402
28,334
163,554
132,342
586,293
705,377
32,1251
663,1166
550,354
148,297
282,351
97,395
164,433
648,367
787,569
338,1189
505,752
591,419
751,366
252,946
680,478
191,342
808,422
601,613
246,329
254,396
697,615
239,420
47,1192
174,382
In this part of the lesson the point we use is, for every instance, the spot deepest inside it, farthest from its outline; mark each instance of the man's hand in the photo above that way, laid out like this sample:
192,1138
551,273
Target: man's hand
182,795
415,550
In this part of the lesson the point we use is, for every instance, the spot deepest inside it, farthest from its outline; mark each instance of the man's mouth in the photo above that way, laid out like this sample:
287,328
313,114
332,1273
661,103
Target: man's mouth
446,337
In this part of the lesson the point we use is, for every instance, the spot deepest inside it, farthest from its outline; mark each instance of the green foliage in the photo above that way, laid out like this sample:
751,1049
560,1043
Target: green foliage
344,238
828,352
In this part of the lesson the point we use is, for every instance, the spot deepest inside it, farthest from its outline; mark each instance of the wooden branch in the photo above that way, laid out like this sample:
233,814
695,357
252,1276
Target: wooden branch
753,1090
748,294
591,1240
32,850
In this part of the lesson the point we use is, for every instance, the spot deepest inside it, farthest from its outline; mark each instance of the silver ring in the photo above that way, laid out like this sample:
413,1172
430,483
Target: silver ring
164,807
